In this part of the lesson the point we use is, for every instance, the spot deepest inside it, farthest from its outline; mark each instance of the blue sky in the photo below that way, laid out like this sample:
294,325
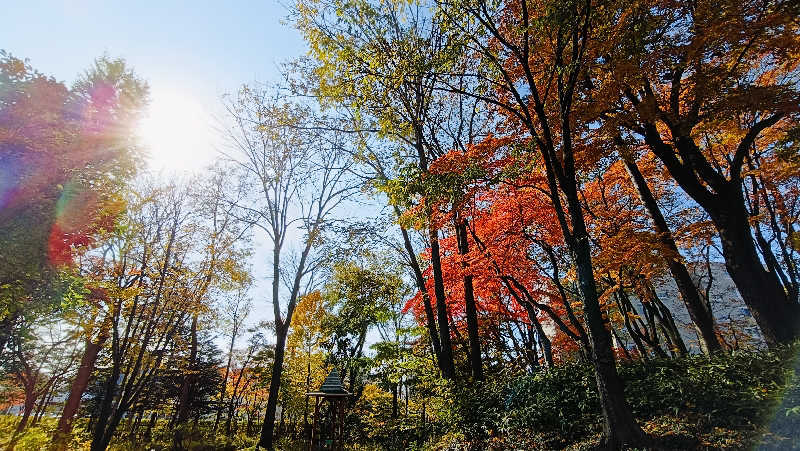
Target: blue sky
191,52
211,45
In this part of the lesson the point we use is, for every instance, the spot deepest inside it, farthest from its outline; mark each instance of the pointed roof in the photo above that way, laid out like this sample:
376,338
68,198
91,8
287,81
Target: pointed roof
333,384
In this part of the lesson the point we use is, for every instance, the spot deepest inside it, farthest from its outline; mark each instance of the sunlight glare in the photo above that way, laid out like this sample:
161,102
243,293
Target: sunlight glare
177,131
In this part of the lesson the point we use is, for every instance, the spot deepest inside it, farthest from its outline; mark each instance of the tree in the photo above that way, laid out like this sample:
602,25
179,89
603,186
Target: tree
381,62
72,152
298,175
699,311
226,240
247,375
233,313
307,367
66,155
360,296
41,362
702,86
532,57
510,220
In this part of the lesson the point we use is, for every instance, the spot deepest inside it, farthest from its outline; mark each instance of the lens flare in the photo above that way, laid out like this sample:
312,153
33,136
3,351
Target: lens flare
74,217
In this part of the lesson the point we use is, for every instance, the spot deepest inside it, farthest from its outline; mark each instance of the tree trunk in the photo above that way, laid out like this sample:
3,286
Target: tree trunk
220,405
29,404
150,424
698,312
419,279
665,318
229,417
108,434
394,400
777,316
265,441
6,328
543,339
469,304
27,409
105,410
282,424
619,426
44,402
187,388
135,425
446,363
77,389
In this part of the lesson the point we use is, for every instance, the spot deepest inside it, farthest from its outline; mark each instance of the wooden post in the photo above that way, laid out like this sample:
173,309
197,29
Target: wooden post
332,419
314,426
342,404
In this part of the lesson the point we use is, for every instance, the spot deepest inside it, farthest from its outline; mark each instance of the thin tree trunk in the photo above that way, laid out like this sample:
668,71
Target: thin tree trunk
543,339
135,425
419,279
77,389
150,424
267,429
229,417
469,304
187,387
105,410
699,314
44,402
220,405
665,318
282,424
6,328
637,330
394,400
29,404
446,363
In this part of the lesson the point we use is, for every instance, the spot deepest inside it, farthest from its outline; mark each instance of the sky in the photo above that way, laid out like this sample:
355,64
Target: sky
190,53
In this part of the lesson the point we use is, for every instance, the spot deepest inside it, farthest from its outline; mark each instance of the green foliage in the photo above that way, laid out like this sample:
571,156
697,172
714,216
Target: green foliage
66,155
740,393
359,298
735,390
33,438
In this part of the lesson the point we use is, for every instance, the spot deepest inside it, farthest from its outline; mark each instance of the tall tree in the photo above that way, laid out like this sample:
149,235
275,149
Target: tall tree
298,172
698,309
70,153
153,262
65,156
225,241
381,62
702,85
532,56
233,313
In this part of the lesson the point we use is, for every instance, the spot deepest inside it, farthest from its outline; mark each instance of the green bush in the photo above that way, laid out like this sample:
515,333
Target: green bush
739,391
730,390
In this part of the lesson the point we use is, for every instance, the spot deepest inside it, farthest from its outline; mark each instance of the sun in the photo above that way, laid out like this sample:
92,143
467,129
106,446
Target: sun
177,131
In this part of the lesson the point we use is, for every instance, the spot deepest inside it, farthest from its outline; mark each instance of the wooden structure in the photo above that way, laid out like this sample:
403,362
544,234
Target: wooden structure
327,431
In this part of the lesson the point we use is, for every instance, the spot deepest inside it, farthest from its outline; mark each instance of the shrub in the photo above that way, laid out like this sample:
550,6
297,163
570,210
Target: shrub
741,390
